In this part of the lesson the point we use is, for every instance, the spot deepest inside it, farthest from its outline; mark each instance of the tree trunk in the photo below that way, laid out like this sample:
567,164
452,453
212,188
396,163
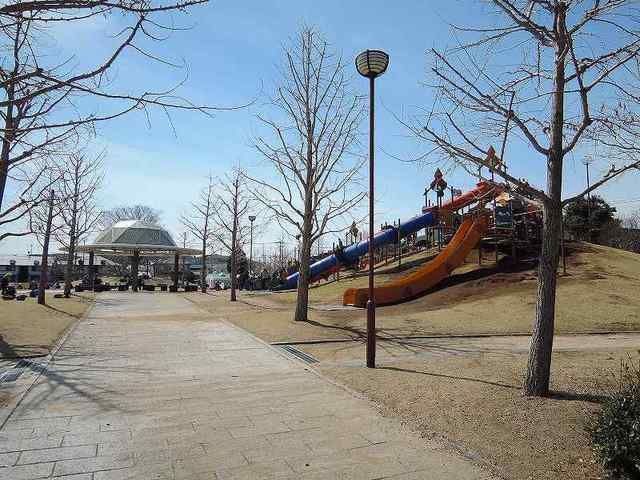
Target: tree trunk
7,140
44,263
176,270
4,168
304,273
203,270
234,272
302,301
68,270
539,364
234,246
135,264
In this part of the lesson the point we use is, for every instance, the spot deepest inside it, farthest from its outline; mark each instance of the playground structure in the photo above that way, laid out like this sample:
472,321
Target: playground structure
512,223
350,255
431,273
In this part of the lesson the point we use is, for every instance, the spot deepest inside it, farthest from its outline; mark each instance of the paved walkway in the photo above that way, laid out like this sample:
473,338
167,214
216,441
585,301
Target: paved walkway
149,387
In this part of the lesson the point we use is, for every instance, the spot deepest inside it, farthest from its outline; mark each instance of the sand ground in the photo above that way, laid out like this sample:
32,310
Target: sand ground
28,329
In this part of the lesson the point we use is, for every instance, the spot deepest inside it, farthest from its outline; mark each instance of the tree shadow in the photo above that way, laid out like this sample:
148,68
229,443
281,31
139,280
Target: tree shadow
74,315
579,397
355,333
9,351
70,375
452,377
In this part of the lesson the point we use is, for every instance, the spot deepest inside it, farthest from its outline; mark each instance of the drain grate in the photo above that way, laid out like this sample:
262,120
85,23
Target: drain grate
305,357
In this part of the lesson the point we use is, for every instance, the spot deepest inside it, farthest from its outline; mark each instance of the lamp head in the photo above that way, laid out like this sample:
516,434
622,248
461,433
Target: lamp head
372,63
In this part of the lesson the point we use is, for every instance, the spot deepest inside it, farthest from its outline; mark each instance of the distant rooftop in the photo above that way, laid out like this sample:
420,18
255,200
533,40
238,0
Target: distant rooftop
134,232
128,236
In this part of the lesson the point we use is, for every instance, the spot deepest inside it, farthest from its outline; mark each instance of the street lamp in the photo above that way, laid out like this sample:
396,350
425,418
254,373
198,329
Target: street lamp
251,219
371,64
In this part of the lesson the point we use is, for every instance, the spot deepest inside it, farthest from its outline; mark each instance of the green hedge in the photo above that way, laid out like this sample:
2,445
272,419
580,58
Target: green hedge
615,433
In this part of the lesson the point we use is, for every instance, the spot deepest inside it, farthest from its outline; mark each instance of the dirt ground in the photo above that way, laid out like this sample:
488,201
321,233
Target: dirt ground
474,402
28,329
471,396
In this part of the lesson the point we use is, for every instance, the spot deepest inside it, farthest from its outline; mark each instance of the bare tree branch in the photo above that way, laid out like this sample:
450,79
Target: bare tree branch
311,150
43,105
199,223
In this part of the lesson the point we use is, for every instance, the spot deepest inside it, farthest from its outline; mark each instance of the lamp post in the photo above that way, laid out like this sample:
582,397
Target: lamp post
371,64
251,219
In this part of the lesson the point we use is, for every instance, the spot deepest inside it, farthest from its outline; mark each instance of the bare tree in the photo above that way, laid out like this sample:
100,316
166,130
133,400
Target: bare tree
33,187
233,203
199,222
77,213
41,224
46,99
143,213
563,90
310,149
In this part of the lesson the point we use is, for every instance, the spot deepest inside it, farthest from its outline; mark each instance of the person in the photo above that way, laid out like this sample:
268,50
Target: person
4,282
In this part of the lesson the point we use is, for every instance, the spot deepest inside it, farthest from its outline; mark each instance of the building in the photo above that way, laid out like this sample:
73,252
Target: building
133,240
215,263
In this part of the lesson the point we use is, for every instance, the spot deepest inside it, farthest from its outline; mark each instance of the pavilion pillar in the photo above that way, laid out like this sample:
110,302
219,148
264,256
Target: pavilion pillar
176,270
135,263
92,272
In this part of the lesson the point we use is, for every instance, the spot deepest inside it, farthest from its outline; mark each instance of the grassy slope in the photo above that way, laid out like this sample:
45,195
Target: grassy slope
599,293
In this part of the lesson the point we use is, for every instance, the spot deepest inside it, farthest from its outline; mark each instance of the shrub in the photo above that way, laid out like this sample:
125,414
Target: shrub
615,433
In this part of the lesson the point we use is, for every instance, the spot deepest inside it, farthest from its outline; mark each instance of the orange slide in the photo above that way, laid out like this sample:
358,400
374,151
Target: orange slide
430,274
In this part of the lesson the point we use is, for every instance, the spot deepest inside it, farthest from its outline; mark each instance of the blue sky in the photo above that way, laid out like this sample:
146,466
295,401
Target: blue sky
232,50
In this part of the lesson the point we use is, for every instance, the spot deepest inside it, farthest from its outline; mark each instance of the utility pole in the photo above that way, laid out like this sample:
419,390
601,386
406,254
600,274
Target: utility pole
251,219
399,245
426,229
184,245
586,164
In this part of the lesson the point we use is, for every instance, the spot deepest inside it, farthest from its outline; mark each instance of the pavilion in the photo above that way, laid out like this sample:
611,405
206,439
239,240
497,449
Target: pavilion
135,239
